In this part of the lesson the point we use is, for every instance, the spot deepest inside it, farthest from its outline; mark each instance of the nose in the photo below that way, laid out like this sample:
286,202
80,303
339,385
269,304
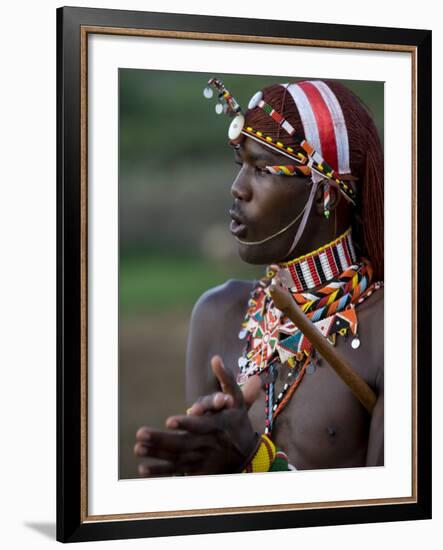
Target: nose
241,187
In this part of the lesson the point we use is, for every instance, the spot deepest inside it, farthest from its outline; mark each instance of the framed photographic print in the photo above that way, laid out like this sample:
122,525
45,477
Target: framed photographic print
244,274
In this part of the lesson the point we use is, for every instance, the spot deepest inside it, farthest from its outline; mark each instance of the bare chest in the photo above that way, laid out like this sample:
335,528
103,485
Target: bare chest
322,425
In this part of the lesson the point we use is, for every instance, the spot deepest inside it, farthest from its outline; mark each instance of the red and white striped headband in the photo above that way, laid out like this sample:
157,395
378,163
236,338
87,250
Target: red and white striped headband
323,121
326,136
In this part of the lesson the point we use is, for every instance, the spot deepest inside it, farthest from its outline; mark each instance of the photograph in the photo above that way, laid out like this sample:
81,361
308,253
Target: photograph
229,186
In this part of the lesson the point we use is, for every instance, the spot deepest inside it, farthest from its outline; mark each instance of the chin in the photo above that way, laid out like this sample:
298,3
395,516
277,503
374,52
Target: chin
260,254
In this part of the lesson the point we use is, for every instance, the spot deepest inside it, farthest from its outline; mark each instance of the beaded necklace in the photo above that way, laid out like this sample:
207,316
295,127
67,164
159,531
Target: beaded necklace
272,339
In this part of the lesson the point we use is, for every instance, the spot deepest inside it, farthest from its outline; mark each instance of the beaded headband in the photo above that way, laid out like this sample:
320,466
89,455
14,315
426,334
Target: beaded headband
323,124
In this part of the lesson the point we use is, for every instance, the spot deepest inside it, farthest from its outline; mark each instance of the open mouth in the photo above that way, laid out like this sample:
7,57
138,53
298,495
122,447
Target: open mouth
237,227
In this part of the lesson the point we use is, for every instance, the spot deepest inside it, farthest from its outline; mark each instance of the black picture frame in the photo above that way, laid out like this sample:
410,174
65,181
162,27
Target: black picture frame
72,520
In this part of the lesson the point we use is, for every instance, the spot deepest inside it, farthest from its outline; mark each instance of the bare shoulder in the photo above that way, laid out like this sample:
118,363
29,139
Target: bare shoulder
220,300
371,330
372,310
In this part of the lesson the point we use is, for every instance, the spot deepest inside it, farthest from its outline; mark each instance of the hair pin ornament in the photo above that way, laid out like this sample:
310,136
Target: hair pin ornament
226,104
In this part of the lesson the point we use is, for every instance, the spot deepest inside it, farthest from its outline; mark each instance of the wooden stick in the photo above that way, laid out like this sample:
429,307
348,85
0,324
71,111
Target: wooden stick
357,385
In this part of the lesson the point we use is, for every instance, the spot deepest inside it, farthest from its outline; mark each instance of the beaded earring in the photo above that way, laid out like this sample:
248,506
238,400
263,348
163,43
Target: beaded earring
326,199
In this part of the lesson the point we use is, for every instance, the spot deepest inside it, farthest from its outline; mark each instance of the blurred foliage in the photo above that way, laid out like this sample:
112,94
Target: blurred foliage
158,282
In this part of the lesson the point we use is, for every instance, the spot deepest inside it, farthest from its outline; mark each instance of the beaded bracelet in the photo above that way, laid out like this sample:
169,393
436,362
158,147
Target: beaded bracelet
267,458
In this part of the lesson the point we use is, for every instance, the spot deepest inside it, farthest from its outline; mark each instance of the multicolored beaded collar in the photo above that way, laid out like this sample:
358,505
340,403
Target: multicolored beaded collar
319,266
271,339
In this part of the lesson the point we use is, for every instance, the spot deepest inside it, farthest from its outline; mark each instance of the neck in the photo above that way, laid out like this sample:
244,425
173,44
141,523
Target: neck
319,266
318,231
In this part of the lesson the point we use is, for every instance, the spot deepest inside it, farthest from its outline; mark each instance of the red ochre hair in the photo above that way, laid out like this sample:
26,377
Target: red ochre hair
366,161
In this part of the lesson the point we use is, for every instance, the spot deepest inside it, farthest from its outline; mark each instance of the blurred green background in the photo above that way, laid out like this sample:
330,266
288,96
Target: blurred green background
175,174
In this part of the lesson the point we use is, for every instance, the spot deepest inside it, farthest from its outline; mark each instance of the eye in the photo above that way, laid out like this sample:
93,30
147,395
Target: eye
261,171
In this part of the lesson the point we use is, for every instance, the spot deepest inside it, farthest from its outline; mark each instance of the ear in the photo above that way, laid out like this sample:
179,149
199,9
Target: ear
334,198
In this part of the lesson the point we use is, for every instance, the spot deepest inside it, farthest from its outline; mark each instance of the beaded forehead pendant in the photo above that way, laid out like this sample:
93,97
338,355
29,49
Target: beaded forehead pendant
324,127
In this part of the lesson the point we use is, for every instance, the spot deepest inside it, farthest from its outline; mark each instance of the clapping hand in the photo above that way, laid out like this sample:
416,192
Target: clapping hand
216,436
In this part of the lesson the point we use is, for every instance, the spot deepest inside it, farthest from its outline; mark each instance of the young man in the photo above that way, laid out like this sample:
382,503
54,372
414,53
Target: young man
308,202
